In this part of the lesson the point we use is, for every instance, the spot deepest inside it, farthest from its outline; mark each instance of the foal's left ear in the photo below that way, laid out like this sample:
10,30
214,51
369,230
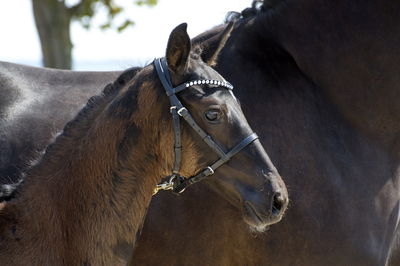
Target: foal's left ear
178,49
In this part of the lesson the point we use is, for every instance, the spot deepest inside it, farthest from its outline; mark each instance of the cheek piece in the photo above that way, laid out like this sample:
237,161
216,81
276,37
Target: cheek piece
175,181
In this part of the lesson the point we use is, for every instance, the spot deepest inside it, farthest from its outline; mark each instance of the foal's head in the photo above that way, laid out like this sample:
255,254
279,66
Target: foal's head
216,128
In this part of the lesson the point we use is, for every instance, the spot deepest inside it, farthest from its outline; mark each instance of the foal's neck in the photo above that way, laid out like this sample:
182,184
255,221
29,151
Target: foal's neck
87,198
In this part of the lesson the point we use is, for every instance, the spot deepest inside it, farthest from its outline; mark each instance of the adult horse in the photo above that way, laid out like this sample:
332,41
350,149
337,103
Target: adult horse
84,201
304,60
320,84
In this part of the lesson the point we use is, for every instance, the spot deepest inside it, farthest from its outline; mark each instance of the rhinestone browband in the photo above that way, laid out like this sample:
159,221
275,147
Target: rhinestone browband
208,81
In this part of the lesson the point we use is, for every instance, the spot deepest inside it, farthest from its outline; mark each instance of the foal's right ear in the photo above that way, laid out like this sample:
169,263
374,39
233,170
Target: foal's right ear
213,46
178,49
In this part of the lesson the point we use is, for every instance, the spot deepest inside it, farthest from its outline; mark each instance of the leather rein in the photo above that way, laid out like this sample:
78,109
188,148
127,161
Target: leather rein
175,181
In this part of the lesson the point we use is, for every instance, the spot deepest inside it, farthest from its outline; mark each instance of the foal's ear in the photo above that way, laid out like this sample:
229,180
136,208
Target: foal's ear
178,49
213,46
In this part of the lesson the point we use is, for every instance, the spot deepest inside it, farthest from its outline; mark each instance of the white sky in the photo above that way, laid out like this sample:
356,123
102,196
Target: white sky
138,44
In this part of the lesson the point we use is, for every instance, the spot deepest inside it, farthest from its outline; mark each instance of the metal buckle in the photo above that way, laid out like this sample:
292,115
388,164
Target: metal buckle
165,186
172,108
179,192
181,110
211,170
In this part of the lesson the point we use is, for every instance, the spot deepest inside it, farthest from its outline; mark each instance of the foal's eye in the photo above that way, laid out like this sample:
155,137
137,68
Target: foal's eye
213,115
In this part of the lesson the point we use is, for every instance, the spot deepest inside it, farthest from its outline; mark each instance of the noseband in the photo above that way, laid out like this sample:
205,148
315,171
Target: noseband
176,182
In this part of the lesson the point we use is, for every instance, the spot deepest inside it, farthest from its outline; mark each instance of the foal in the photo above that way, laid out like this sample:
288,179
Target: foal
84,201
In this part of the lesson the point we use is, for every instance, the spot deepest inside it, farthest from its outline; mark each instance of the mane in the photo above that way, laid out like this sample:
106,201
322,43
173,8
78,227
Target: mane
257,6
96,103
273,53
93,106
196,52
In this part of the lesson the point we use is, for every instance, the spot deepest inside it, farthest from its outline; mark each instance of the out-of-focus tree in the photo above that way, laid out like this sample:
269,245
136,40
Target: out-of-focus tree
53,19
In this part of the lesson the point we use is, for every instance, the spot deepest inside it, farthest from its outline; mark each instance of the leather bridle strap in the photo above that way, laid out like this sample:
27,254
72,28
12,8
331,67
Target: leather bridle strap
183,184
163,74
176,182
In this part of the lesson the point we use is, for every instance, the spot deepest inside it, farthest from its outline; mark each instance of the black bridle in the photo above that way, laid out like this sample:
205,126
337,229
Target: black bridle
176,182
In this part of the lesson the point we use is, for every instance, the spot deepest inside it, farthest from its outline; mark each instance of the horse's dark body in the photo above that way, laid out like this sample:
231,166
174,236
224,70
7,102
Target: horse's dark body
321,90
35,104
323,81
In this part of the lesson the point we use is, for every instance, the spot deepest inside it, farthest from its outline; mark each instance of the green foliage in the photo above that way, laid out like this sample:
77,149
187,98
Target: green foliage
84,11
146,2
124,25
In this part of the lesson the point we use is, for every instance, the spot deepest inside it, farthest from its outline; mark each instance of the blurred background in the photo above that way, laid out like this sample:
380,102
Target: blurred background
100,34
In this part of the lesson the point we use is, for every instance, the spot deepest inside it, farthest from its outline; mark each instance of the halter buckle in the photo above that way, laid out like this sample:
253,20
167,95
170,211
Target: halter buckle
172,108
210,170
167,185
181,110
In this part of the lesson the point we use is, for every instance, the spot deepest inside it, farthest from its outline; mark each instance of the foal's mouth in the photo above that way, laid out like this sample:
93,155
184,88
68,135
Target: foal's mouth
249,208
257,221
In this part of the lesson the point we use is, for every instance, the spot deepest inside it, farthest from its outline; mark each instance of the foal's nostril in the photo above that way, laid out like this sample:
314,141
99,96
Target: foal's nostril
277,204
